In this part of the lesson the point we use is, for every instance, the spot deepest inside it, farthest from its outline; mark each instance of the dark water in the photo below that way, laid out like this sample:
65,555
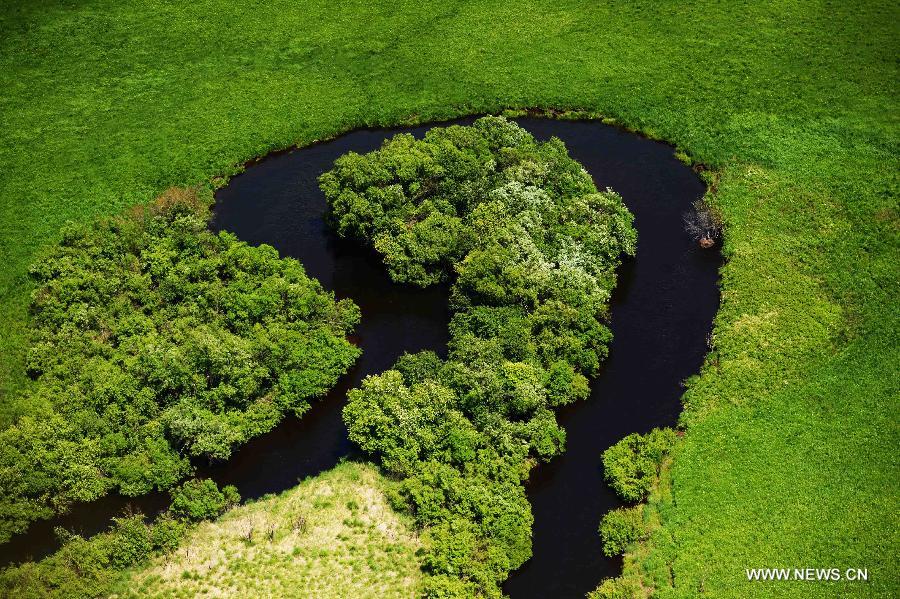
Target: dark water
661,313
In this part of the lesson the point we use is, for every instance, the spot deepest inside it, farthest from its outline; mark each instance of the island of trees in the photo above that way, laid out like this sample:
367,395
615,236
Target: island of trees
531,248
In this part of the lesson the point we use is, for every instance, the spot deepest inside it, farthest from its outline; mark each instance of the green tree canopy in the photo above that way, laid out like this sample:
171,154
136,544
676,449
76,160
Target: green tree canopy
156,340
531,248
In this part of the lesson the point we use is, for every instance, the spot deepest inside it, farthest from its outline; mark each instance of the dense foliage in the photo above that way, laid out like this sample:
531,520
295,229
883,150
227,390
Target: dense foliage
531,248
156,341
631,466
621,527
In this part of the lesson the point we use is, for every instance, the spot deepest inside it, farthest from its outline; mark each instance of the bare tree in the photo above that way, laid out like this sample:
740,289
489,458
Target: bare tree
299,524
703,223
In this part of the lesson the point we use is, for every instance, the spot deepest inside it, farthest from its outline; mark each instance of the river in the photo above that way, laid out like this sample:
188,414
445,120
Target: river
661,314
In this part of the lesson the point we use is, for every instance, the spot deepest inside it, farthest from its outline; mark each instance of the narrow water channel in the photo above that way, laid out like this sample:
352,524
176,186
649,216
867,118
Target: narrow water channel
661,313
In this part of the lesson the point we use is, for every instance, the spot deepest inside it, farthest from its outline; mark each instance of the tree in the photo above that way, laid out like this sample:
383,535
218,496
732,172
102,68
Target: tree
703,224
202,500
632,465
620,528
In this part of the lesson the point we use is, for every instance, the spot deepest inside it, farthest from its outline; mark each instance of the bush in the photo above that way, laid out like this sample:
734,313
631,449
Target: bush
620,528
632,465
155,340
130,542
167,532
531,249
202,500
447,587
617,588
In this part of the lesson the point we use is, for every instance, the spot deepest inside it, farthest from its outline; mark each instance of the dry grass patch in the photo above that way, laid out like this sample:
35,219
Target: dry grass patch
331,536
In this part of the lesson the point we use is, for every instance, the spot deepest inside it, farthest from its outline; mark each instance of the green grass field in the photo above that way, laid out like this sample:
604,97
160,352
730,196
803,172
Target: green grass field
789,455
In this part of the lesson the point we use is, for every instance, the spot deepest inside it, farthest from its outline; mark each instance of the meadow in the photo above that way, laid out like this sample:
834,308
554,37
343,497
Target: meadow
788,457
334,535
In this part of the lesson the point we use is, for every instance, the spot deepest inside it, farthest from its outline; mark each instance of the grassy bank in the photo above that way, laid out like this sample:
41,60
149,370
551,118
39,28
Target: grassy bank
331,536
789,455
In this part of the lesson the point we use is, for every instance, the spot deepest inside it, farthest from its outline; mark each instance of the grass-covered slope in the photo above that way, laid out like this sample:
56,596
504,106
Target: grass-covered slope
334,535
789,454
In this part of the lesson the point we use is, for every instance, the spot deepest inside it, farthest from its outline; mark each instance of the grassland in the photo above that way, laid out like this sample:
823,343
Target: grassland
789,456
331,536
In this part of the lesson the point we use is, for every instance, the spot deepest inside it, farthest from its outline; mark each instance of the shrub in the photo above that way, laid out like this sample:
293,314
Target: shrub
167,532
620,528
447,587
617,588
632,465
202,500
130,542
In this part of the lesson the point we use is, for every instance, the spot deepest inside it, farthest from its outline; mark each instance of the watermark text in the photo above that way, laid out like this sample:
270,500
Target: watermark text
807,574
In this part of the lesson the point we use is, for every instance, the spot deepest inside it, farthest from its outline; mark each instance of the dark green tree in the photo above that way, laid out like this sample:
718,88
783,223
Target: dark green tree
202,500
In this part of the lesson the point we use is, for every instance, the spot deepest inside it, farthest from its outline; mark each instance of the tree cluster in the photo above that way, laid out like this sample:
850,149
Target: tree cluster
157,341
531,249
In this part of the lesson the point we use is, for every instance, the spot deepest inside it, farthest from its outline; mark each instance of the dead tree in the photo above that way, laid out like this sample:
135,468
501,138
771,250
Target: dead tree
703,224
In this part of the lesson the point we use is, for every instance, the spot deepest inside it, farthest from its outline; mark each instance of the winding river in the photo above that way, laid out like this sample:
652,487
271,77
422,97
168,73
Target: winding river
662,311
